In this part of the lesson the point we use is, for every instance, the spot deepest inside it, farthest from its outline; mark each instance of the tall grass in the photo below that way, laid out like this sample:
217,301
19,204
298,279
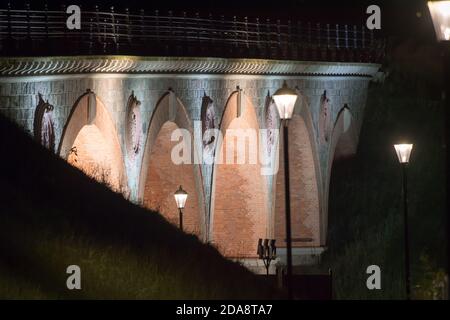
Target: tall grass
53,216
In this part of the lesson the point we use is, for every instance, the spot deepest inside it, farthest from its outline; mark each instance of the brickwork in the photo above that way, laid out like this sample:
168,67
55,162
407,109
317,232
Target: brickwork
163,179
240,193
236,205
305,207
94,147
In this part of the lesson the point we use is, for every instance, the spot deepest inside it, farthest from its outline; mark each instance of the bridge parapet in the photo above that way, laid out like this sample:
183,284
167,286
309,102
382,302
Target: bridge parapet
44,32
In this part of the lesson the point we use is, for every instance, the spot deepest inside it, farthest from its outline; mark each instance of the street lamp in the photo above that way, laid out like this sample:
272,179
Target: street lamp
440,14
180,198
267,252
285,101
403,153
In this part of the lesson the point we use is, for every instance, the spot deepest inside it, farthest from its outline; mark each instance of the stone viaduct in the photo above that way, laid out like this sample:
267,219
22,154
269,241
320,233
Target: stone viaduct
114,115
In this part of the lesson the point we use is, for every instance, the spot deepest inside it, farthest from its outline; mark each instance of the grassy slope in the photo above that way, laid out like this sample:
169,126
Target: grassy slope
52,216
366,224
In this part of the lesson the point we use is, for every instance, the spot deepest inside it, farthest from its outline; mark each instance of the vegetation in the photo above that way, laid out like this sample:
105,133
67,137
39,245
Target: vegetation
53,216
366,213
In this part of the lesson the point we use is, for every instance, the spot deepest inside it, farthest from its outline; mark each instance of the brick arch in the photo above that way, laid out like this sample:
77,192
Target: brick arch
344,141
159,177
239,206
345,135
307,215
90,132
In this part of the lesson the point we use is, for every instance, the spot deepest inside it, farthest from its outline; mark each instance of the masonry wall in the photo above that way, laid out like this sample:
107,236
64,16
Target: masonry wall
19,98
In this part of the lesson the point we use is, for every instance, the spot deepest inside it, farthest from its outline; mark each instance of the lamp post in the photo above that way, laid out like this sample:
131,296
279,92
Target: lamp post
440,14
267,252
403,153
285,101
180,198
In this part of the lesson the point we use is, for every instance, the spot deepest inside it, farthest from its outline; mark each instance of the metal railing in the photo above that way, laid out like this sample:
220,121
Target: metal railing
44,32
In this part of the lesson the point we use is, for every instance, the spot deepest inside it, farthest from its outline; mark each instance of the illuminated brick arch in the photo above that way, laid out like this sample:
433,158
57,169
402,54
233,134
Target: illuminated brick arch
239,210
90,142
307,215
159,177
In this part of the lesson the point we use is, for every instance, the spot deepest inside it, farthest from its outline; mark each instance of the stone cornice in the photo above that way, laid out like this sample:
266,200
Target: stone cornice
28,66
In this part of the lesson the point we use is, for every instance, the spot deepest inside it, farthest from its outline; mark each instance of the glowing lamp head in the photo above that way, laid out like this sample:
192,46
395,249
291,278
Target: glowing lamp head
440,14
285,101
180,197
403,152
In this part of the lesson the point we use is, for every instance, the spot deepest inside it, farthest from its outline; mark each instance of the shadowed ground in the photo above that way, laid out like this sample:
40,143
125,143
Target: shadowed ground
52,216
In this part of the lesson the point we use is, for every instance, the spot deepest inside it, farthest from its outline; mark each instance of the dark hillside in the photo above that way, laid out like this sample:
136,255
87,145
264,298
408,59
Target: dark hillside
53,216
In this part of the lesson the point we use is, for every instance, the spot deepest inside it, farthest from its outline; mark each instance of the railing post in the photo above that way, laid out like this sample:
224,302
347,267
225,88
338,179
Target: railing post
319,36
258,37
279,48
289,41
158,38
115,35
299,41
142,15
8,47
338,40
67,46
309,33
46,22
91,40
170,25
105,22
373,50
97,18
363,44
222,30
269,38
328,36
197,20
328,43
246,31
319,42
371,38
127,12
235,32
27,7
185,46
210,31
363,37
355,36
346,36
9,21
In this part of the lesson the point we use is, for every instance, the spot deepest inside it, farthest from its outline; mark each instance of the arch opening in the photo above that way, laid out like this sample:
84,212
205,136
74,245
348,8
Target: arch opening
90,143
161,176
239,202
163,179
